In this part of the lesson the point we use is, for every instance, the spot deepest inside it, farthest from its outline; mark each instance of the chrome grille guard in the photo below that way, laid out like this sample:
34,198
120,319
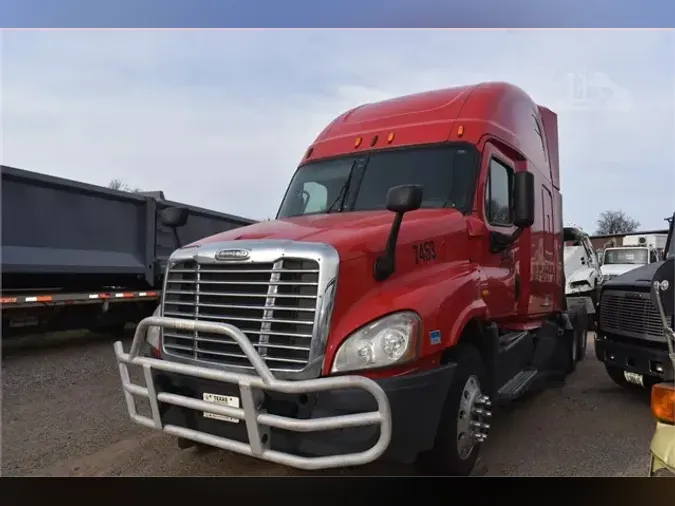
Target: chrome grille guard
257,421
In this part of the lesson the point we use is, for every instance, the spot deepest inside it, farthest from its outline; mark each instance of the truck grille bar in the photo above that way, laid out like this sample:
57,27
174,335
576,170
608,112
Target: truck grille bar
276,297
631,314
273,304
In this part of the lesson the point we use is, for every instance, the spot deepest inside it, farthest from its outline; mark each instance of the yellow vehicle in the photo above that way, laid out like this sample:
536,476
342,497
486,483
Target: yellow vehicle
662,448
662,462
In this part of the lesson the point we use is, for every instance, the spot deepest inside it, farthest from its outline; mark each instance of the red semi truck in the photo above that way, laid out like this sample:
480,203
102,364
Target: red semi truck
412,279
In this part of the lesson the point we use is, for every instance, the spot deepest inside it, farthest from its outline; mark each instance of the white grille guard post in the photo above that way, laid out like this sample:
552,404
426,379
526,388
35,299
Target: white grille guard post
258,445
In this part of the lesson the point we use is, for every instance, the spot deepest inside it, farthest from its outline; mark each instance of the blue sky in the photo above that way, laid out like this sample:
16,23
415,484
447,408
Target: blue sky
346,13
220,118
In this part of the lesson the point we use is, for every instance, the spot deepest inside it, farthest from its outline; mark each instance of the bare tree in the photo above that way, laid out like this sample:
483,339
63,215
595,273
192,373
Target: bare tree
118,184
616,222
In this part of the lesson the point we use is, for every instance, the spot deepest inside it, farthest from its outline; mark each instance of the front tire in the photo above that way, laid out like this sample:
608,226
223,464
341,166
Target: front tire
462,427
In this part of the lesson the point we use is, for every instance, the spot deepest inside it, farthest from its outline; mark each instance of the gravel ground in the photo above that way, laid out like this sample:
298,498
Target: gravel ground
63,414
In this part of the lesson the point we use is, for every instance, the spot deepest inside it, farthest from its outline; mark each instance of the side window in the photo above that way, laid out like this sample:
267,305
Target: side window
498,195
652,257
316,196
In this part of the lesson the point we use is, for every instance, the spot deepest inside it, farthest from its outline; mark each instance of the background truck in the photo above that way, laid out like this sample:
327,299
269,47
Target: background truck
653,241
412,279
621,259
81,256
582,272
630,339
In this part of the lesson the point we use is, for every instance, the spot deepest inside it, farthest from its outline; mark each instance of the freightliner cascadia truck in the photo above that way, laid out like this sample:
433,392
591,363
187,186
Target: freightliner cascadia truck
412,280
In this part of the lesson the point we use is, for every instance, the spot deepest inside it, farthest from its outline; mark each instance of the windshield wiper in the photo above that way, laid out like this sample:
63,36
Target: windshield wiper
343,191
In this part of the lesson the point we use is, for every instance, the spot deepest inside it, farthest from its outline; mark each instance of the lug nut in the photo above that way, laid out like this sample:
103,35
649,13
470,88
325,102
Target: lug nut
484,400
482,412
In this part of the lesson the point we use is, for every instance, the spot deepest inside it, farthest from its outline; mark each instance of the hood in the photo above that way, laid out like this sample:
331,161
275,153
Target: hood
618,269
582,274
641,276
350,233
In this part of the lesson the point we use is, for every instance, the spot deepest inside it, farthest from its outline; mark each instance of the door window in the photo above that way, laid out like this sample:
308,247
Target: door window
498,195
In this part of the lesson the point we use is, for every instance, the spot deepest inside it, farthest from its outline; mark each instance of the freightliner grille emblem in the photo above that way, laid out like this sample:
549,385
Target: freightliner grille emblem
233,255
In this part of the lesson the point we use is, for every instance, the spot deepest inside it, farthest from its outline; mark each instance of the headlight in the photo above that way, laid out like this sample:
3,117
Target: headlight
387,341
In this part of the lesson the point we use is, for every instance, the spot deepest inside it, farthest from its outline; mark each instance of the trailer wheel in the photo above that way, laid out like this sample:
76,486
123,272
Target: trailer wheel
462,427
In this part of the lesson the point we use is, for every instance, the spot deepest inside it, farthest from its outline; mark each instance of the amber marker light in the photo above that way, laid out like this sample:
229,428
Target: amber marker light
663,402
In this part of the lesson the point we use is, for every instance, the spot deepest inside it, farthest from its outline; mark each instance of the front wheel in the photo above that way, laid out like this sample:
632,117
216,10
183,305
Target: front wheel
462,427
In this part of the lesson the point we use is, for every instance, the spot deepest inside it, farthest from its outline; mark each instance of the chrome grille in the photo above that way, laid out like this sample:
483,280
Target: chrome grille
631,314
273,303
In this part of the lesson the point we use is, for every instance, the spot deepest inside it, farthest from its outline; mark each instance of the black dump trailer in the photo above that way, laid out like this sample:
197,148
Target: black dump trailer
79,256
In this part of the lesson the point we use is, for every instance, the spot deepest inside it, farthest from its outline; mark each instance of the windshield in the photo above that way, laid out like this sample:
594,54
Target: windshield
360,183
626,256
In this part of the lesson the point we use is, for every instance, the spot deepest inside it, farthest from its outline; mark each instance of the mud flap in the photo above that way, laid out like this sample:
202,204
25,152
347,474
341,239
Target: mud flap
547,341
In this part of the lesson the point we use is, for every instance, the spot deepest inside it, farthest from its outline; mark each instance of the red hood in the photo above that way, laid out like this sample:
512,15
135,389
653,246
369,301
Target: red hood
350,233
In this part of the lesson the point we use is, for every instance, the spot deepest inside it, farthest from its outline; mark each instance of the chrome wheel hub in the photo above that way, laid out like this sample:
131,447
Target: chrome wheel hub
474,409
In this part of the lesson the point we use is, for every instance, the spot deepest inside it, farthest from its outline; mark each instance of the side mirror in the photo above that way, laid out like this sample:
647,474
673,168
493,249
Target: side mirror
174,217
404,198
523,199
400,200
663,289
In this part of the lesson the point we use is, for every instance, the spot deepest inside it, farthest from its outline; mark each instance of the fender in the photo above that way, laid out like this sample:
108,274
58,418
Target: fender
476,309
436,293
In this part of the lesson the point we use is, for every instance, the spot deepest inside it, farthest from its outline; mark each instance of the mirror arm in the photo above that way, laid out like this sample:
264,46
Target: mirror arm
386,263
499,242
656,286
176,238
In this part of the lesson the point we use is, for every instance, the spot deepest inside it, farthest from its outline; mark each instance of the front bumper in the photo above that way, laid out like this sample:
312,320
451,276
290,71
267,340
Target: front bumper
310,424
662,450
645,360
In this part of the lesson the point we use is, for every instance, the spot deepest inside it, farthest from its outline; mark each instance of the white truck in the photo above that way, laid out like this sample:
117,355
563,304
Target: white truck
583,276
635,252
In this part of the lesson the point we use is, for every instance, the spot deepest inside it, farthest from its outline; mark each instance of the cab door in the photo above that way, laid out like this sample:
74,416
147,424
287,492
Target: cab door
502,285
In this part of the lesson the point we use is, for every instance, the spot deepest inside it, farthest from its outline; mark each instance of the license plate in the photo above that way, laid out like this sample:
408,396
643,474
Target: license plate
634,378
223,400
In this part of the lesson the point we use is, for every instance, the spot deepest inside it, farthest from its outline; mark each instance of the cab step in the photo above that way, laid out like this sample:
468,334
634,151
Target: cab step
517,385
